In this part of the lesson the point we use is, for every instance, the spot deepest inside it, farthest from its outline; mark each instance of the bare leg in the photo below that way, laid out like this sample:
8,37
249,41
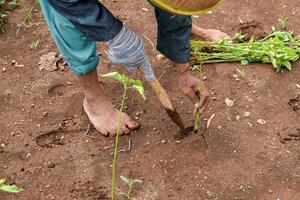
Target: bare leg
100,110
207,34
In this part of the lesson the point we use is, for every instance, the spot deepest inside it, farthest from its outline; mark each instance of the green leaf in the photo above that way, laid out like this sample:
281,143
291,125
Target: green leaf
138,86
288,65
239,37
125,180
115,75
9,188
244,62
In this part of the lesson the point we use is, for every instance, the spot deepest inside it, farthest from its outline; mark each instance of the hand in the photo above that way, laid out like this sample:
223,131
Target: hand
190,86
214,35
208,34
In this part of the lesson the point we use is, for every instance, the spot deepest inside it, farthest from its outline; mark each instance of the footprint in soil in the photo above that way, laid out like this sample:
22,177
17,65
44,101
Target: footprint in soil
288,135
51,139
295,103
62,90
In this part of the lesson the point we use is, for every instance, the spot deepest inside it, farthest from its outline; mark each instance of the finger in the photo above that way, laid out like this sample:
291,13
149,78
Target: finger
205,97
203,109
192,96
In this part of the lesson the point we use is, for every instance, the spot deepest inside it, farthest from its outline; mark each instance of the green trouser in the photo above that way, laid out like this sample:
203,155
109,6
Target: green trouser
79,52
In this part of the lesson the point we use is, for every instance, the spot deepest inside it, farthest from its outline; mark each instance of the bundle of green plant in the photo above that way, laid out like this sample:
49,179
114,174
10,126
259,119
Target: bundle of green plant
280,48
9,188
127,84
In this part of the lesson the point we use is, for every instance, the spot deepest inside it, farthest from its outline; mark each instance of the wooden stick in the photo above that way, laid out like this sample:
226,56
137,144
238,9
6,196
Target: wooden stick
161,94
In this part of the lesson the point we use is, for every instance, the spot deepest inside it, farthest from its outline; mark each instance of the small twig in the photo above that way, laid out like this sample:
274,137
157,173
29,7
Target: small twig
129,145
128,148
153,47
209,120
42,51
86,134
162,74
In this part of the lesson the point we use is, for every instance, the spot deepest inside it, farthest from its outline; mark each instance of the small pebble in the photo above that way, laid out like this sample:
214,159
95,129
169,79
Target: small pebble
45,113
247,114
261,121
229,102
28,155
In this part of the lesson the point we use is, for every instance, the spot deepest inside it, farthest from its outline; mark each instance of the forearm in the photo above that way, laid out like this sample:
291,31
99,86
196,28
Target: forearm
127,49
198,31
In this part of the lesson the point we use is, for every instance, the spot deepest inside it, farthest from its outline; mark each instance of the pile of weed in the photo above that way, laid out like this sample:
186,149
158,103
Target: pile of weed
280,48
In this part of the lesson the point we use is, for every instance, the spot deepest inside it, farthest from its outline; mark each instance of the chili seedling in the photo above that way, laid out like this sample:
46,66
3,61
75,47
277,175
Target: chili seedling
129,182
127,84
9,188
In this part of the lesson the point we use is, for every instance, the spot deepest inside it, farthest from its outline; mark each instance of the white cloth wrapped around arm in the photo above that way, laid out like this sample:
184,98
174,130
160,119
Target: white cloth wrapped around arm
127,49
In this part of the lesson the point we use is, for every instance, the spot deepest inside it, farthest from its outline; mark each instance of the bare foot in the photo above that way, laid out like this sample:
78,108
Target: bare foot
105,117
208,34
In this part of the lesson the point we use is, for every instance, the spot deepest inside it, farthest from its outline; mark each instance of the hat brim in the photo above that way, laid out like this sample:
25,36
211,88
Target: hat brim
167,7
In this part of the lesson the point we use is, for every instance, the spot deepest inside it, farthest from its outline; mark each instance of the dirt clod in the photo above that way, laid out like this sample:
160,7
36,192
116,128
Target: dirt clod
295,103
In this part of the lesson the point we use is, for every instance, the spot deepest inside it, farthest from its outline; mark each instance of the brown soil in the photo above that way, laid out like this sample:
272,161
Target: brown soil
44,148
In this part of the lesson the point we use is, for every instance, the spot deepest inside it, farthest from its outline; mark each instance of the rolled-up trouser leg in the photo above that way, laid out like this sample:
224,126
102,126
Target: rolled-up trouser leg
79,52
127,49
173,37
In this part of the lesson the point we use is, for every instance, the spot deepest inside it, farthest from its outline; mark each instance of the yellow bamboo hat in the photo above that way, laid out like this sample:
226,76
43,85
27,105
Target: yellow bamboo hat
186,7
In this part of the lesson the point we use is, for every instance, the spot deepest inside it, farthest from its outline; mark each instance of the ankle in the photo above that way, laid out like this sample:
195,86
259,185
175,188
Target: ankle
94,97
